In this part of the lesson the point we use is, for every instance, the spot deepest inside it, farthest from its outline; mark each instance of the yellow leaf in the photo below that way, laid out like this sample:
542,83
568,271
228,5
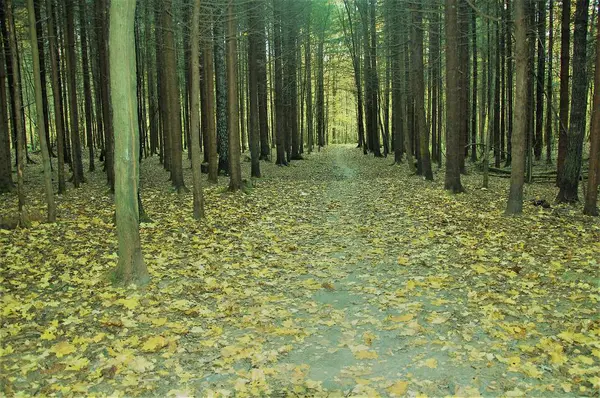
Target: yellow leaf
63,348
365,354
479,268
402,318
154,343
130,303
48,334
566,387
398,388
369,337
158,321
410,285
531,370
76,364
431,363
585,360
402,260
140,364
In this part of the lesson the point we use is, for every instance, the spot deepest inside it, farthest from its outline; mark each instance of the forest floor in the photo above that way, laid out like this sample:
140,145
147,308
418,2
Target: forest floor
337,276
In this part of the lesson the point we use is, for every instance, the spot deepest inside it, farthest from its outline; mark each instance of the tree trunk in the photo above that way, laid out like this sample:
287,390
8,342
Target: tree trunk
6,180
209,72
87,89
261,70
419,92
77,163
565,59
235,170
40,36
253,133
40,114
474,87
569,176
517,176
221,88
195,112
549,90
453,142
279,101
18,119
540,79
309,102
591,198
173,98
56,94
130,267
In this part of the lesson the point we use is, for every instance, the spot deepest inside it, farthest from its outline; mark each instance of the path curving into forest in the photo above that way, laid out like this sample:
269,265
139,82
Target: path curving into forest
339,275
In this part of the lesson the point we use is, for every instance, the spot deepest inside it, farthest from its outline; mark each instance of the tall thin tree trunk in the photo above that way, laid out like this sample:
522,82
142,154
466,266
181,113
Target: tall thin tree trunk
591,198
540,78
209,72
549,90
87,89
40,114
195,111
515,196
6,180
235,170
565,59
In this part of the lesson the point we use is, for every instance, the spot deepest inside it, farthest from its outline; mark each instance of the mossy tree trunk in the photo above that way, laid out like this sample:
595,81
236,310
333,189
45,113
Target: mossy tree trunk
131,267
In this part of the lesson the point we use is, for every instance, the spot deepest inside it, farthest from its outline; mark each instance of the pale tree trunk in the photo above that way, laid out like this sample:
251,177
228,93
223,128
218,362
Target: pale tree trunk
37,80
195,112
58,120
235,169
18,117
517,175
591,198
131,268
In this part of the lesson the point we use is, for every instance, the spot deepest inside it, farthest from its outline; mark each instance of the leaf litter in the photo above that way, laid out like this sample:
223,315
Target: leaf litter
337,276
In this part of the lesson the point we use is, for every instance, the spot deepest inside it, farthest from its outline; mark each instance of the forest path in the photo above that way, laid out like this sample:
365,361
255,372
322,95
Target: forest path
339,275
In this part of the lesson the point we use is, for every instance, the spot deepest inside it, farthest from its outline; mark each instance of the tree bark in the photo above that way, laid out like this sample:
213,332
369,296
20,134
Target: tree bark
221,87
569,176
39,104
253,133
517,176
195,112
565,59
131,268
87,89
209,73
591,198
453,142
235,170
6,180
77,163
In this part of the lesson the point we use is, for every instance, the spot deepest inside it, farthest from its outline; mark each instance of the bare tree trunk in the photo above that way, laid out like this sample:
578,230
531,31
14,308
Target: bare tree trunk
40,114
58,120
235,170
565,59
18,119
195,112
549,90
211,133
454,151
591,198
6,180
87,90
254,133
515,197
569,177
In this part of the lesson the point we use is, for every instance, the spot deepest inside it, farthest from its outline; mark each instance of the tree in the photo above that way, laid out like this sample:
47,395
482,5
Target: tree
591,198
18,118
454,150
221,87
209,87
71,56
235,172
131,267
194,112
253,131
517,176
569,176
6,180
419,91
87,88
56,94
278,94
172,99
565,59
40,113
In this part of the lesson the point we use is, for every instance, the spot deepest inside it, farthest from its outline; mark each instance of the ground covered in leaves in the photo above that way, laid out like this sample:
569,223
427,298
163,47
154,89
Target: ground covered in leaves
337,276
